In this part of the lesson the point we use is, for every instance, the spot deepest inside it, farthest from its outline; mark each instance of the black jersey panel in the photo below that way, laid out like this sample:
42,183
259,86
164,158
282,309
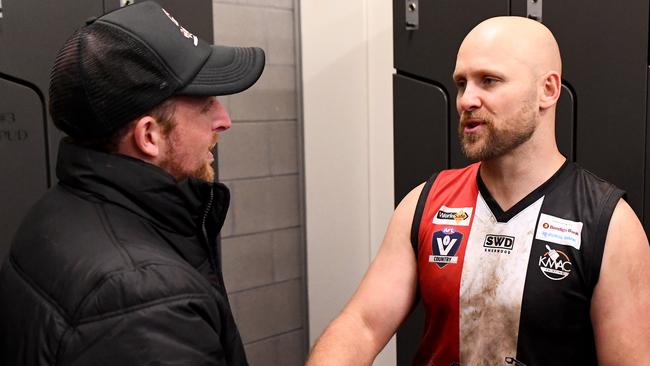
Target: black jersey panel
563,269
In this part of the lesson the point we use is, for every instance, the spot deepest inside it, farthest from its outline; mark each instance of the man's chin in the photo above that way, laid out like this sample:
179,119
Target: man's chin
206,173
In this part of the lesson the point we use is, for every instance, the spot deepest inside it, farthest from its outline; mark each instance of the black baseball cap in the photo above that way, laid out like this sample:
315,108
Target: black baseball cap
121,65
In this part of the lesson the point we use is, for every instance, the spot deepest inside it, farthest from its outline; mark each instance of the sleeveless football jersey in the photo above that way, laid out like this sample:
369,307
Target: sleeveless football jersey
510,287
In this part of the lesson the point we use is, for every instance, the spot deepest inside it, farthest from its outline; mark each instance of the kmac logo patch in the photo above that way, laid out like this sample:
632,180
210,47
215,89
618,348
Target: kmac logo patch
444,246
555,264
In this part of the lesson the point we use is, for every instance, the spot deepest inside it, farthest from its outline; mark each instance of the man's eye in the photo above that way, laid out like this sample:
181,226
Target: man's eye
489,81
460,84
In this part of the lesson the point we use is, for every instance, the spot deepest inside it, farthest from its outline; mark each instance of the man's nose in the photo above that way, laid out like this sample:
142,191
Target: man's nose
223,118
468,99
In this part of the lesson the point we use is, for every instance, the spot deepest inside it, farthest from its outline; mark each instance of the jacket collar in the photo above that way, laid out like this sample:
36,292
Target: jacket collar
145,189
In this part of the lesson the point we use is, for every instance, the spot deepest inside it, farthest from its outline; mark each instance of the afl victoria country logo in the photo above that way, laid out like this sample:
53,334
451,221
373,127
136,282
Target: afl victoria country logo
444,246
555,264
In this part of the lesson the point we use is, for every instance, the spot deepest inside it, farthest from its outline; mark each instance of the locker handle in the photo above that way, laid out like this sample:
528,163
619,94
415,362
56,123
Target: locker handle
412,14
534,10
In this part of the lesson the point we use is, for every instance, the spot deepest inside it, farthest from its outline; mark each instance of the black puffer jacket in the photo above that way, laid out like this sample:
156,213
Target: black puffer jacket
117,265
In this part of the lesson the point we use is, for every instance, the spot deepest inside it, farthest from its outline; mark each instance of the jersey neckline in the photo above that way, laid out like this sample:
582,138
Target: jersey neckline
532,197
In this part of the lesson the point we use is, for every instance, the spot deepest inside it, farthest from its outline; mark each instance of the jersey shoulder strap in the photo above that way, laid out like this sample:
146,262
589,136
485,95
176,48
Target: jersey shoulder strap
444,180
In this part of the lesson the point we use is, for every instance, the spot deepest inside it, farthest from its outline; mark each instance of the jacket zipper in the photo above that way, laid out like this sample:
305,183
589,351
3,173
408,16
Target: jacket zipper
212,257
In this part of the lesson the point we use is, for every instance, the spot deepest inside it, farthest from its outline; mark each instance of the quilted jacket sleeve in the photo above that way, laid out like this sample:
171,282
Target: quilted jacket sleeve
175,331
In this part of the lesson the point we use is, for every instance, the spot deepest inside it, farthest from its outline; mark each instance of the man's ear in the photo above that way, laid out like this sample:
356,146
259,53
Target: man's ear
145,140
148,137
551,85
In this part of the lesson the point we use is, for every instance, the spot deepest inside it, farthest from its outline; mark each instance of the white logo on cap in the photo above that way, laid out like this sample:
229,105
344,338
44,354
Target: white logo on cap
184,31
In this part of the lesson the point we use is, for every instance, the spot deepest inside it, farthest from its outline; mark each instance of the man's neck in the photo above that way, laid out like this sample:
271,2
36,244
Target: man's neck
513,176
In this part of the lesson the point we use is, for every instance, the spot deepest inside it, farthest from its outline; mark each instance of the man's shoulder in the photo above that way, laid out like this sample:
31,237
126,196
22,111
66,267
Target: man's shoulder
586,182
77,262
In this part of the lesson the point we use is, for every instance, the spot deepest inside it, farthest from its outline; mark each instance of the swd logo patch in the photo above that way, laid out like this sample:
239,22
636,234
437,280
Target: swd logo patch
444,246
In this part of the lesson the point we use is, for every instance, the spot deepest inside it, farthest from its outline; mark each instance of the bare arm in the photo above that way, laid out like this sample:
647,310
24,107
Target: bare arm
381,302
620,307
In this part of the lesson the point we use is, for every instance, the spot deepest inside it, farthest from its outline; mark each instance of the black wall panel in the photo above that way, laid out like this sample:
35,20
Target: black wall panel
601,115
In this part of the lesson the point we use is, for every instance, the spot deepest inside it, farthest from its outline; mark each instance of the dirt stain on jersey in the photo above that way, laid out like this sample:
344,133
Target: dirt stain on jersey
489,325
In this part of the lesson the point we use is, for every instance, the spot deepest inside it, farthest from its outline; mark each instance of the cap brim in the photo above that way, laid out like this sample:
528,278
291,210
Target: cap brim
228,70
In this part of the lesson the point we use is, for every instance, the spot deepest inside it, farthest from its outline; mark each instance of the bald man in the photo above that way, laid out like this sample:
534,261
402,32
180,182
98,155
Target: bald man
521,258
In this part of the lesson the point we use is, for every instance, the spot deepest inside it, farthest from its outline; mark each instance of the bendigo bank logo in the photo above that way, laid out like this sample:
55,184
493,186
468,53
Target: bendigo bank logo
499,243
444,246
555,264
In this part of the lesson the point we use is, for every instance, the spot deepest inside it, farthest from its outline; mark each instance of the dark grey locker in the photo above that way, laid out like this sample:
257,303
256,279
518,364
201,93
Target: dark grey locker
418,142
604,49
31,33
565,121
646,205
429,52
23,155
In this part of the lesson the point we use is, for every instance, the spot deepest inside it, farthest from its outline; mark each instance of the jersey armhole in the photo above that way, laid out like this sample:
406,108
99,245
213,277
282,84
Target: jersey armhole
601,230
417,216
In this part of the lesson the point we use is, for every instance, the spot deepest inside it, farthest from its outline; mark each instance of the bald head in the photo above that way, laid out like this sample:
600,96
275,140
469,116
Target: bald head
520,38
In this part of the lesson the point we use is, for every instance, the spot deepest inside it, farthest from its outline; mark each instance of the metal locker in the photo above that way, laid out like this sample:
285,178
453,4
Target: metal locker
604,49
23,155
646,202
31,33
418,140
565,121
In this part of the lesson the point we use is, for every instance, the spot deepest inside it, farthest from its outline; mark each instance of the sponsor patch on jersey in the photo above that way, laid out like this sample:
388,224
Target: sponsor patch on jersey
559,231
453,216
555,264
444,246
498,243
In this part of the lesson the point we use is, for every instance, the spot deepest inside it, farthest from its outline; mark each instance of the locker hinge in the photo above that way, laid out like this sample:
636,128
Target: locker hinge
0,9
534,10
124,3
412,15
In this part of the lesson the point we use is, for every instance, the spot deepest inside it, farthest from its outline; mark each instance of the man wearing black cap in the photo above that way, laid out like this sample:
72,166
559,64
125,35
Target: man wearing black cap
117,264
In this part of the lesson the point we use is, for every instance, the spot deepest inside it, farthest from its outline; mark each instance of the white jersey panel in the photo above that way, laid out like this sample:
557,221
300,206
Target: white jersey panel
492,284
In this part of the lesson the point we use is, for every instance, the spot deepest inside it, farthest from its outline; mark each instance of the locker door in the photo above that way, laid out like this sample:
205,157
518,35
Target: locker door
646,216
430,51
604,48
31,33
420,145
565,123
23,155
